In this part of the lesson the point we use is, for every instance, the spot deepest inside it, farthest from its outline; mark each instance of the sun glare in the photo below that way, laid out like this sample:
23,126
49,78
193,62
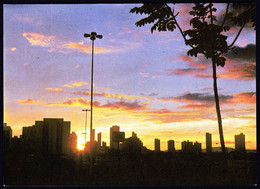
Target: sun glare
80,143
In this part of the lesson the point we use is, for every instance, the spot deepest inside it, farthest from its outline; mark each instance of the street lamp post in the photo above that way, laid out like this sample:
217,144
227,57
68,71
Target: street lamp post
86,124
92,36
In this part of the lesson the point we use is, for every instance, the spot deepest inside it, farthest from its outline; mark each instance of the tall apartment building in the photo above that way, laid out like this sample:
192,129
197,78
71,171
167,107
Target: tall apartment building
187,146
171,147
157,145
197,147
93,135
52,135
240,144
208,143
99,139
7,136
113,145
73,142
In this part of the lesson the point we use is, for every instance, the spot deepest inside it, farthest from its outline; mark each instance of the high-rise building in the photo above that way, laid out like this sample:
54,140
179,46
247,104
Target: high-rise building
39,134
28,134
197,147
65,133
93,136
56,135
113,145
157,145
32,136
73,142
208,143
132,145
7,136
99,139
187,146
240,144
171,147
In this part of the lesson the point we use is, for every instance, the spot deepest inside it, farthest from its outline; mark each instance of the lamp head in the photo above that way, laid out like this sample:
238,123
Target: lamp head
99,36
86,35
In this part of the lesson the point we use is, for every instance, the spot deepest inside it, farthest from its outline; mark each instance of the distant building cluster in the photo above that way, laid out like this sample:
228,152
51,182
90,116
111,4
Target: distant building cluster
190,147
187,146
52,136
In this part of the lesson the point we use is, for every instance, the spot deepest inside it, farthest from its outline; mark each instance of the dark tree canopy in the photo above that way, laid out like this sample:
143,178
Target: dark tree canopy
206,36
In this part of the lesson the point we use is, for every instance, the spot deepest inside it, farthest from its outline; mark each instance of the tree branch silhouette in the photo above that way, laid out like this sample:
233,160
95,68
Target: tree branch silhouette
205,37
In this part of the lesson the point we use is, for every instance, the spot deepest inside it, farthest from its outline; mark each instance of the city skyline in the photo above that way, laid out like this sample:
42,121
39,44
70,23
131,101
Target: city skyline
143,82
28,133
46,154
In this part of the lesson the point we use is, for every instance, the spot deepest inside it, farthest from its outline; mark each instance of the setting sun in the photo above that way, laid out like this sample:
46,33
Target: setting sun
80,143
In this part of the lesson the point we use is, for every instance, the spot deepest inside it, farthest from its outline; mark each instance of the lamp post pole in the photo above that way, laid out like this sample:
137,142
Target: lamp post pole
92,36
86,124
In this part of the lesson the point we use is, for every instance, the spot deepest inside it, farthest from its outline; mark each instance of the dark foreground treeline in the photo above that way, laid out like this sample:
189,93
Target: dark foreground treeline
139,169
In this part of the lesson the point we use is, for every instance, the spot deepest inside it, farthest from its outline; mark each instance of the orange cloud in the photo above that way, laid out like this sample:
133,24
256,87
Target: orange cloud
56,45
115,95
196,72
195,106
192,62
204,100
54,89
124,105
109,95
233,69
77,84
195,69
244,98
84,48
70,102
117,105
13,48
239,70
28,101
37,39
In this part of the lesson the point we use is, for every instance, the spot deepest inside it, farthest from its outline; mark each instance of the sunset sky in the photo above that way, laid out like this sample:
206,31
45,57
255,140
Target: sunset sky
143,82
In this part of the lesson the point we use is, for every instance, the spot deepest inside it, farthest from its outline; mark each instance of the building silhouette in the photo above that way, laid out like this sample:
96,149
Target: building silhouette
7,136
187,146
104,144
93,135
73,142
113,145
52,135
240,143
134,134
157,145
208,143
197,147
56,133
99,139
132,145
171,147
